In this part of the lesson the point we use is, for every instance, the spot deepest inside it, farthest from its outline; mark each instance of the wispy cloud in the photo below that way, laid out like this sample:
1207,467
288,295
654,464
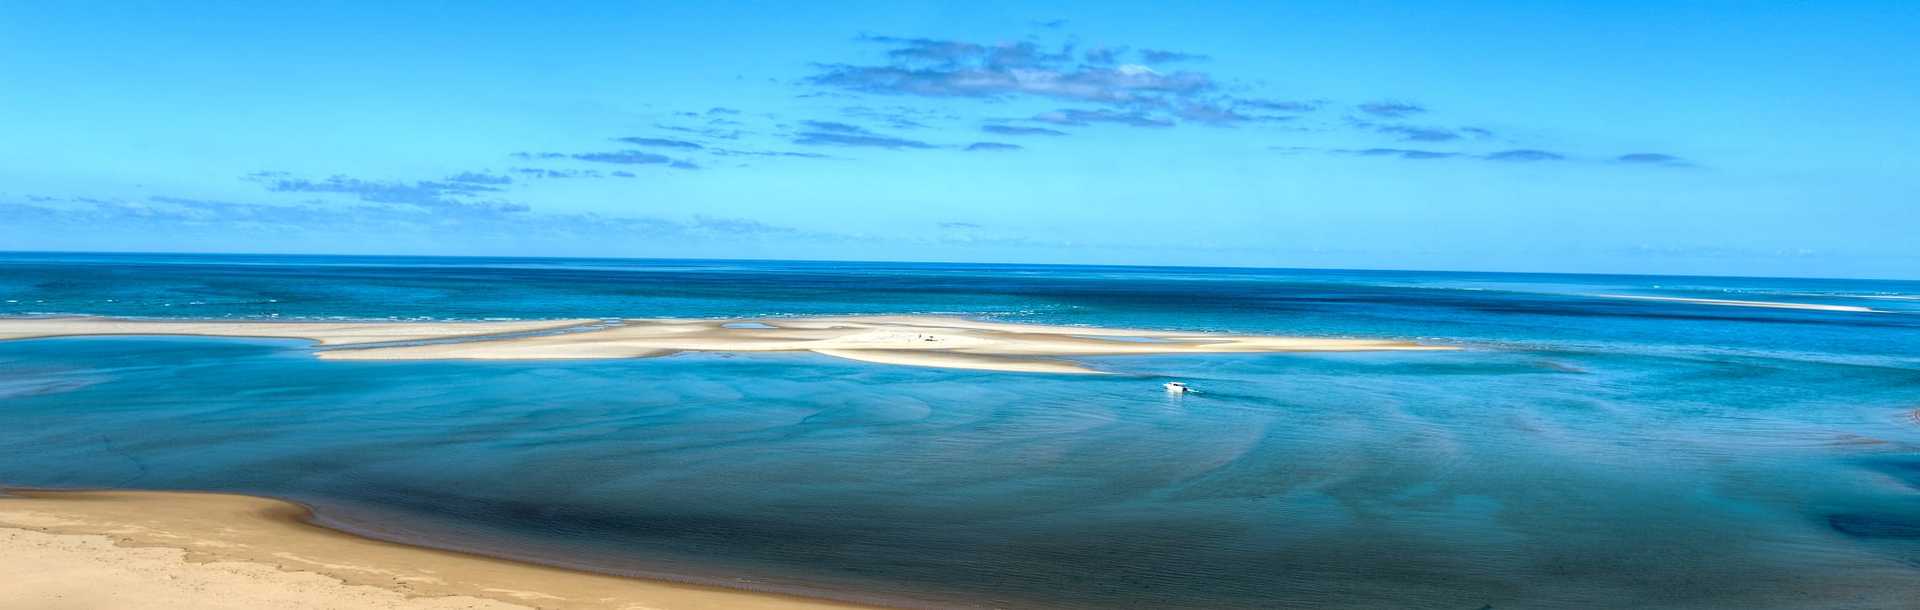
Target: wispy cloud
1419,134
736,226
1078,117
1137,93
620,157
832,133
480,178
992,146
1524,155
624,157
1391,109
1521,155
449,194
1156,56
821,138
1016,130
537,172
948,68
897,117
660,142
1652,159
183,214
1104,56
1402,153
1279,105
833,127
717,133
1214,114
729,152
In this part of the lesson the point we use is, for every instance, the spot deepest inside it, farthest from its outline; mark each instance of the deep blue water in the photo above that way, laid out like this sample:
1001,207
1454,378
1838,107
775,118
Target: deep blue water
1582,451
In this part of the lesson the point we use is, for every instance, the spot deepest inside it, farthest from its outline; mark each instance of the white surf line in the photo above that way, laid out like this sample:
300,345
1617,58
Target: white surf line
1737,303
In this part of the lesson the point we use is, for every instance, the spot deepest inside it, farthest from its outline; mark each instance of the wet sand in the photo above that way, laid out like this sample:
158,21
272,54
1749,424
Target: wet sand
112,550
931,341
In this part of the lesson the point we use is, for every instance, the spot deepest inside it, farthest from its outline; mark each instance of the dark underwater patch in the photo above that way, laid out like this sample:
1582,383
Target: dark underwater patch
1907,469
1875,525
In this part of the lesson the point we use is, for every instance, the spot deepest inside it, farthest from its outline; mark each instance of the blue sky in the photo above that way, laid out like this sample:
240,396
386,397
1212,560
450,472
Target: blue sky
1717,138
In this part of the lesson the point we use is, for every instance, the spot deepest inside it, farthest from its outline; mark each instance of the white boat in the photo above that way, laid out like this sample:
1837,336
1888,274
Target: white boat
1175,387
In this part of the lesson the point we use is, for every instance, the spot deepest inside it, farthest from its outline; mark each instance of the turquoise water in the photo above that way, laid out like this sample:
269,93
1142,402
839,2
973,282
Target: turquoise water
1581,451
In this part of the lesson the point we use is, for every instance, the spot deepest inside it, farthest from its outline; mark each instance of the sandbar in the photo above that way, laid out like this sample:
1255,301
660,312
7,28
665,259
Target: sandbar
115,550
928,341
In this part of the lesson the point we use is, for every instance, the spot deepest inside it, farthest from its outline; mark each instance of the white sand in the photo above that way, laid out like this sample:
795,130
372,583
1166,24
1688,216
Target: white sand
931,341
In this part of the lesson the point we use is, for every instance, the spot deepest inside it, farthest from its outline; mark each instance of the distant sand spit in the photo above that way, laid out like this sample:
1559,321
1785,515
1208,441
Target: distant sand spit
1739,303
324,333
139,550
930,341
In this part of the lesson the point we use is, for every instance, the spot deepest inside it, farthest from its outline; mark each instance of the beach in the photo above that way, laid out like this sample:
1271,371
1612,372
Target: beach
110,550
929,341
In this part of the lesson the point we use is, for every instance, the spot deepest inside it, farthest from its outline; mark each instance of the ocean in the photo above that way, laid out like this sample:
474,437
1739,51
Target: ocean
1598,441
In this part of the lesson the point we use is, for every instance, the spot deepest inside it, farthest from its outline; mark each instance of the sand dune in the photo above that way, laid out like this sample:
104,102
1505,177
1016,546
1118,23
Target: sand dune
931,341
140,550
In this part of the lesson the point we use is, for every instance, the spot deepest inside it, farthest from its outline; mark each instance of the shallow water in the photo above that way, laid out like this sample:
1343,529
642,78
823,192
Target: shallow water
1582,451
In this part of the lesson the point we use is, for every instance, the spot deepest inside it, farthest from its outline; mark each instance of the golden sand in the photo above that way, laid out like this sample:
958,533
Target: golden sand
931,341
140,550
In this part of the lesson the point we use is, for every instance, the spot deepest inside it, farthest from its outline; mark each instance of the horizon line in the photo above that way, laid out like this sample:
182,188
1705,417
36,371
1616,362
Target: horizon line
957,263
